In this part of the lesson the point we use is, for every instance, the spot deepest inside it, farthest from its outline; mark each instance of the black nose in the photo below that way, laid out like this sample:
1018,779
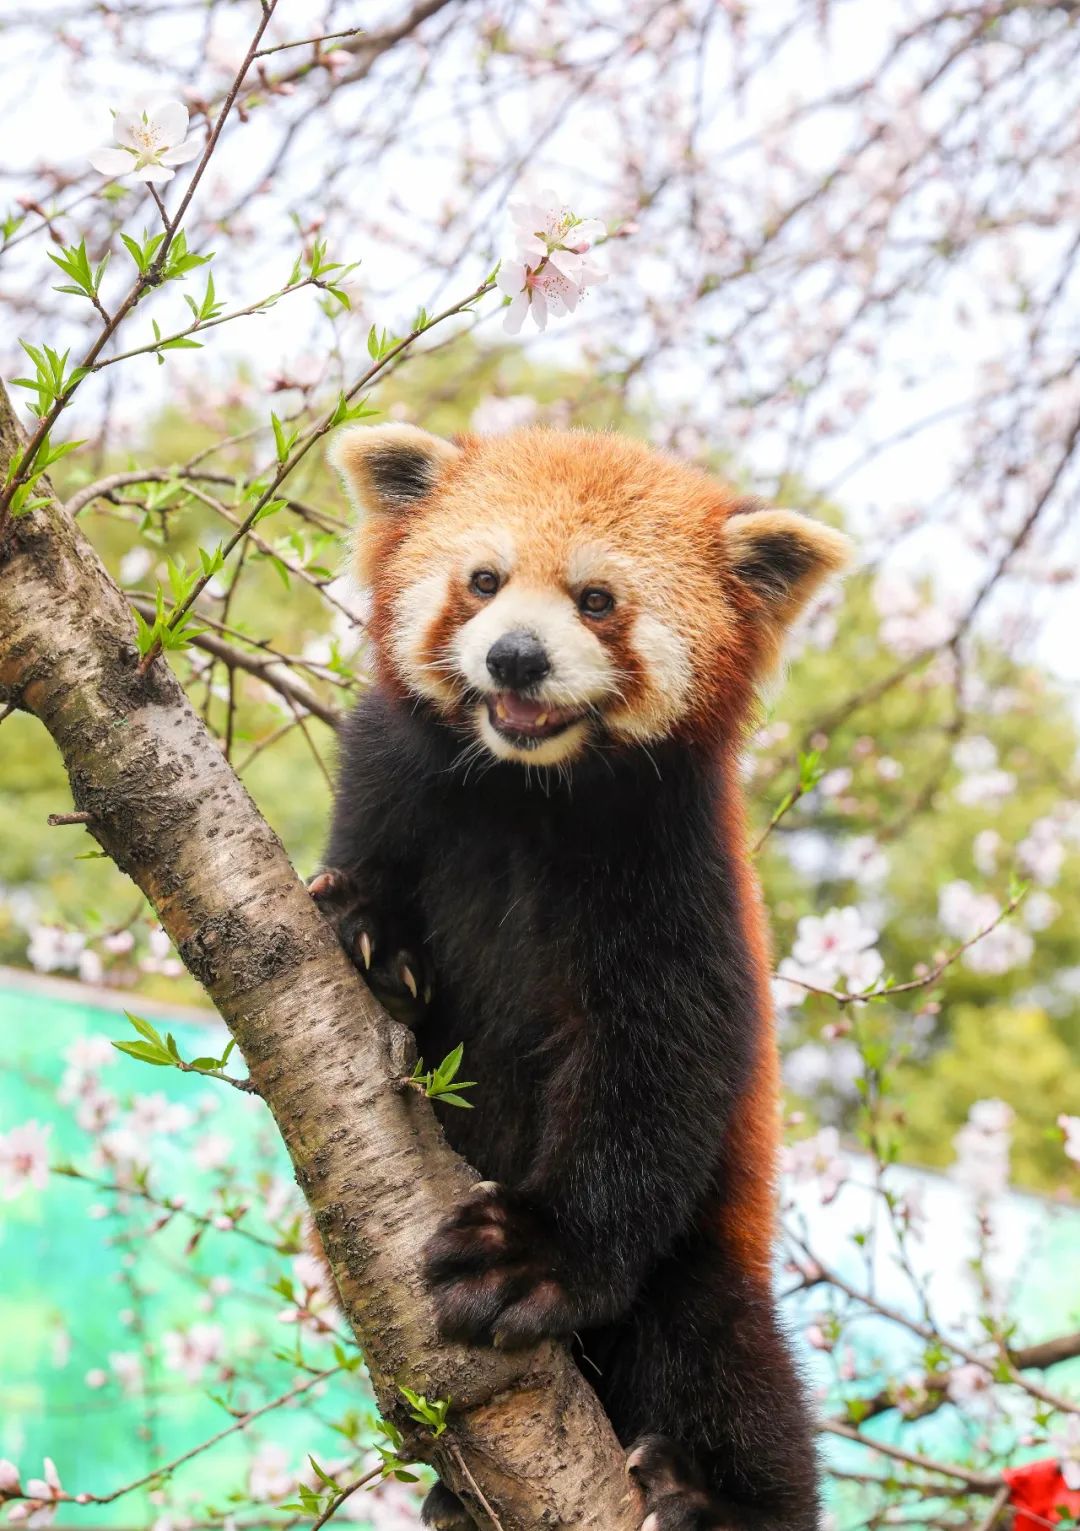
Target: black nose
517,660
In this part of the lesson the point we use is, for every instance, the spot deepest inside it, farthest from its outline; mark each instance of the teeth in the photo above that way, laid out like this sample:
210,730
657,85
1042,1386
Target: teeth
365,948
409,980
500,710
541,720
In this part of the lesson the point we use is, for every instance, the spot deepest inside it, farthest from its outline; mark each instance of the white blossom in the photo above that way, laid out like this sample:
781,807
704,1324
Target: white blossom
976,753
965,913
910,623
152,141
43,1495
269,1477
549,272
156,1113
191,1351
90,1052
835,945
1041,854
968,1384
128,1368
212,1151
982,1149
53,949
817,1158
863,860
985,789
494,415
24,1159
985,849
1066,1443
1039,910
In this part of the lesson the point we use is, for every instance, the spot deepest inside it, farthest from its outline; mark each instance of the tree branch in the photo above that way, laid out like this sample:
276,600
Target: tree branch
527,1433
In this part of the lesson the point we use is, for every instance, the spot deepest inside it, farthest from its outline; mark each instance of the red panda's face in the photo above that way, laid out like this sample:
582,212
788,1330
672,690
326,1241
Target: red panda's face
552,592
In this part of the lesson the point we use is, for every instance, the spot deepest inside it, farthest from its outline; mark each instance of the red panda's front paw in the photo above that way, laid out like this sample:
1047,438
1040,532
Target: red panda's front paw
672,1490
492,1271
389,955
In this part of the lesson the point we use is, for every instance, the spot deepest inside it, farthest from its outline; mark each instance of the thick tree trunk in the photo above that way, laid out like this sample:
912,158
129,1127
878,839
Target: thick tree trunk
371,1160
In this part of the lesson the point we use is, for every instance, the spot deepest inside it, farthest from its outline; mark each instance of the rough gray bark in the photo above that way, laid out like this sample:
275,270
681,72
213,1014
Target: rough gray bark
370,1159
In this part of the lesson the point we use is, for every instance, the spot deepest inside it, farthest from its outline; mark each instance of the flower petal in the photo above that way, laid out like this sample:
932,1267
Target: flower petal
587,232
539,309
511,278
112,161
169,120
182,152
125,123
569,264
158,173
515,314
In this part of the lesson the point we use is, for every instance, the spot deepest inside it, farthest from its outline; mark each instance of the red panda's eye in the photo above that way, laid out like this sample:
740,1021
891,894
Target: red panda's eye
484,582
595,602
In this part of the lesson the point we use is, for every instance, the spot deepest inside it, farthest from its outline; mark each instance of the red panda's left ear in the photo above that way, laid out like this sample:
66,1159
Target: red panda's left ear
388,468
782,557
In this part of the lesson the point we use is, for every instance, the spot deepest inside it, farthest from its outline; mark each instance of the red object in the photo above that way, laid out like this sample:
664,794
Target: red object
1039,1489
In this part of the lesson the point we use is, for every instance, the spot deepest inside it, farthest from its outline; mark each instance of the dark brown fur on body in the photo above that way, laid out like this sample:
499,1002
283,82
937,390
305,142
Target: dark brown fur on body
593,936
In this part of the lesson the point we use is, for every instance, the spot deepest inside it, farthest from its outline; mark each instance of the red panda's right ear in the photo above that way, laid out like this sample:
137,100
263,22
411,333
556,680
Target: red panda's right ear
388,468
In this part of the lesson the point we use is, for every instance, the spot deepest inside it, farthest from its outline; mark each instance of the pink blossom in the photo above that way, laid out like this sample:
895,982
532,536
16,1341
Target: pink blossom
24,1159
156,1113
985,849
390,1506
863,860
494,415
269,1477
53,949
548,273
9,1478
965,914
975,753
191,1351
212,1151
817,1158
830,947
1042,854
93,1051
817,1338
910,623
128,1367
43,1495
968,1383
982,1149
317,1306
1066,1442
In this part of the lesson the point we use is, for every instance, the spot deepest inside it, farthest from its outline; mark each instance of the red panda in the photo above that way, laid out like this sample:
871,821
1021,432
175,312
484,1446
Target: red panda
538,851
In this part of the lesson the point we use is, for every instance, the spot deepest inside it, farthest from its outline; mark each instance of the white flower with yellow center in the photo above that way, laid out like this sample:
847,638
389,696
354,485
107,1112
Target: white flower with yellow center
152,139
548,273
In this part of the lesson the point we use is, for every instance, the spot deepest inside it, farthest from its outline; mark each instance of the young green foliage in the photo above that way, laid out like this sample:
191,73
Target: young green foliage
432,1414
442,1083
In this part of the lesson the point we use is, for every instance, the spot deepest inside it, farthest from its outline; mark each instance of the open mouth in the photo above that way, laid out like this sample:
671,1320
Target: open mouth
524,719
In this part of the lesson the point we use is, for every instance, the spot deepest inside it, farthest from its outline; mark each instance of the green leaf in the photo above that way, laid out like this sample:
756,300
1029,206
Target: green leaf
146,1052
323,1477
145,1029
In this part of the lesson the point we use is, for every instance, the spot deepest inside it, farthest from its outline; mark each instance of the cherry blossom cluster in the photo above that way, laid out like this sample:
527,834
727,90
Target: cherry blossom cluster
550,267
830,949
